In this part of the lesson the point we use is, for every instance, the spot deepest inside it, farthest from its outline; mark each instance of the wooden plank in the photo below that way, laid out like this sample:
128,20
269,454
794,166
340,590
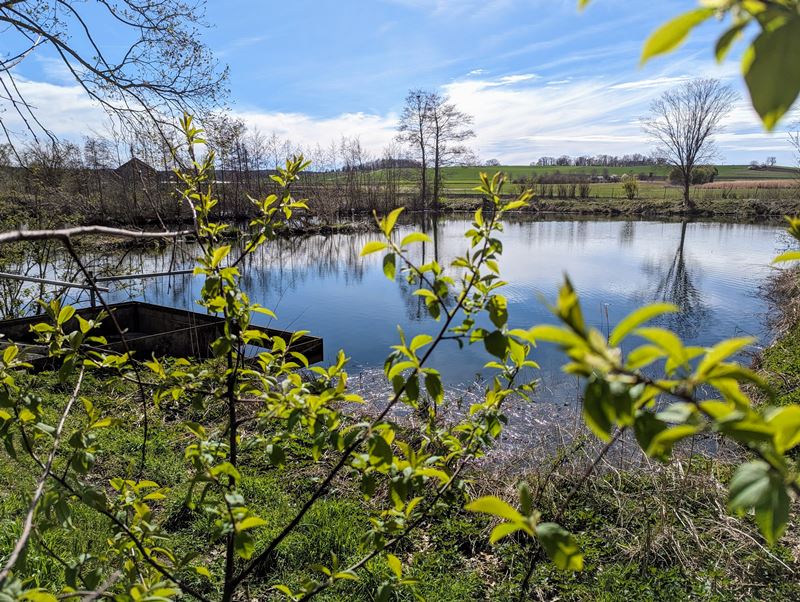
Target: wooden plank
159,330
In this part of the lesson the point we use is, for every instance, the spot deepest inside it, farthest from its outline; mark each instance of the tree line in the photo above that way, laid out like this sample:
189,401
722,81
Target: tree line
602,160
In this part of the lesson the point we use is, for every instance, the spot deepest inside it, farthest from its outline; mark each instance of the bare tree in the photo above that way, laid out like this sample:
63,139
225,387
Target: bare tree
683,123
449,128
6,156
159,67
224,133
415,130
97,158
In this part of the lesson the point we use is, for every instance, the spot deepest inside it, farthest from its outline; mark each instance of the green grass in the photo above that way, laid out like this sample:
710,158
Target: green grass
726,172
782,361
461,180
631,525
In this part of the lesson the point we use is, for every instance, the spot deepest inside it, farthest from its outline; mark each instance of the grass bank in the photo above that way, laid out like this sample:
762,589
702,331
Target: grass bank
649,532
780,362
646,208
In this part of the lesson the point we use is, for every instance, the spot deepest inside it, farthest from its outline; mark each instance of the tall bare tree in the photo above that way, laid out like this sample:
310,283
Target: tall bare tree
449,128
415,130
158,66
683,123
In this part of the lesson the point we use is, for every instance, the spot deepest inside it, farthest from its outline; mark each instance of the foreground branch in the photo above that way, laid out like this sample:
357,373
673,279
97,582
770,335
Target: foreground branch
28,524
66,233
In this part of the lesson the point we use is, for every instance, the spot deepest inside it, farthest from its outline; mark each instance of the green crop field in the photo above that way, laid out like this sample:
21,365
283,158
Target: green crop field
463,179
726,172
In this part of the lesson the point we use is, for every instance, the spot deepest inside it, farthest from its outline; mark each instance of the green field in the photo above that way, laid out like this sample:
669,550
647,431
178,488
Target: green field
461,180
458,175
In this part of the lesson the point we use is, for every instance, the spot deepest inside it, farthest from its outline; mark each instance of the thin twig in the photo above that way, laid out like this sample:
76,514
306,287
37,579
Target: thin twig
28,523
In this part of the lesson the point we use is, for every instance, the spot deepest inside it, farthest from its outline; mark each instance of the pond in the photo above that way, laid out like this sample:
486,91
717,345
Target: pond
712,271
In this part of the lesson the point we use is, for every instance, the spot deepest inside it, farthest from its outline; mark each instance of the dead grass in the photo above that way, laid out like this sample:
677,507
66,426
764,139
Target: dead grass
750,184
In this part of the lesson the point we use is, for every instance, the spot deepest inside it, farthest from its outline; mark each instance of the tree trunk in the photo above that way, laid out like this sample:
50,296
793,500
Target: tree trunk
688,203
436,177
424,189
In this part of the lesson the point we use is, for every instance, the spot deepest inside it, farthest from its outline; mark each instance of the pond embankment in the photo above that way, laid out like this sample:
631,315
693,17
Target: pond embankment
780,361
651,208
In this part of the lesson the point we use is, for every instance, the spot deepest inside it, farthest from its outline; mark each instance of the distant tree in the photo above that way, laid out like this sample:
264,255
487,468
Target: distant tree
97,156
683,123
492,163
449,127
771,161
703,174
49,162
6,155
414,130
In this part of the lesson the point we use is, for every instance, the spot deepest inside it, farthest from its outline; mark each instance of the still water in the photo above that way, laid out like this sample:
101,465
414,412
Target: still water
712,271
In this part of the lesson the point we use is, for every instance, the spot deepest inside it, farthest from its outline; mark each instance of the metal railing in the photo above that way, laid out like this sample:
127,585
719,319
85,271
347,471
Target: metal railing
93,288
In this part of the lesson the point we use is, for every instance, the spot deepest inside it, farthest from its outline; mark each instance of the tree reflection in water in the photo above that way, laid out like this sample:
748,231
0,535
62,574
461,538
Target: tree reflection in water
427,223
676,282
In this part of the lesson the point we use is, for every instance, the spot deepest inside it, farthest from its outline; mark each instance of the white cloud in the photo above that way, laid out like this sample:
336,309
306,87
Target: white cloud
513,79
649,84
518,117
64,109
374,131
520,122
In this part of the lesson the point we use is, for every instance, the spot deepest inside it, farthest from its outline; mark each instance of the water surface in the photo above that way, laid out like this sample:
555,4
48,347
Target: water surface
712,271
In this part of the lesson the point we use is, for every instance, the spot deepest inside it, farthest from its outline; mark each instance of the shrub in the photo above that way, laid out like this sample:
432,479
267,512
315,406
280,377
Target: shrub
630,184
703,174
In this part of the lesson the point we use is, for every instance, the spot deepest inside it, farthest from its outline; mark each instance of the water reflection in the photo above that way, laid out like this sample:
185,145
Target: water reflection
676,282
320,283
627,233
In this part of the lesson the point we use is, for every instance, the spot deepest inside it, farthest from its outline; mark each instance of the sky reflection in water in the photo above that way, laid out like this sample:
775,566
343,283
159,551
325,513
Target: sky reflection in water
711,270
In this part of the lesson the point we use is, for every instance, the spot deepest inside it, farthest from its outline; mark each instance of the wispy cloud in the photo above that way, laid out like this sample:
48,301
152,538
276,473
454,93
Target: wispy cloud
241,43
477,8
513,79
518,117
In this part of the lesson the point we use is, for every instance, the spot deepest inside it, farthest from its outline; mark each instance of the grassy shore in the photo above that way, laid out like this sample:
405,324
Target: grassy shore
647,208
780,362
649,532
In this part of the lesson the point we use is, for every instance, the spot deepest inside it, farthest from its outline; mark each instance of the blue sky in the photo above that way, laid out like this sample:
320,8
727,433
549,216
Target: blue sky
539,77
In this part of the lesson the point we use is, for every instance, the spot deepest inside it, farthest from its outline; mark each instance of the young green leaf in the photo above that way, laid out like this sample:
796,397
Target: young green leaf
771,69
395,565
637,318
670,35
756,486
387,224
496,507
561,546
373,247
